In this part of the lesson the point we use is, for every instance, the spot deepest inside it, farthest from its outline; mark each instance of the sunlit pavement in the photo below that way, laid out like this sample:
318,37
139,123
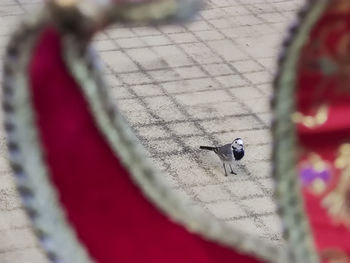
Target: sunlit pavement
179,87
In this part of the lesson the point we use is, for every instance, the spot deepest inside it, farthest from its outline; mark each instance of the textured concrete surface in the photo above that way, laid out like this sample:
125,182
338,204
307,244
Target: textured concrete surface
207,82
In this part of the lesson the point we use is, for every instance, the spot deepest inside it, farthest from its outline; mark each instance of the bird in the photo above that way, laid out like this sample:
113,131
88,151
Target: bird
228,153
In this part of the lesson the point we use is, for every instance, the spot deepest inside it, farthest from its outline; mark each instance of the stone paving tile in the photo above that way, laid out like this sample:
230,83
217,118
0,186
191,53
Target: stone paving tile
207,82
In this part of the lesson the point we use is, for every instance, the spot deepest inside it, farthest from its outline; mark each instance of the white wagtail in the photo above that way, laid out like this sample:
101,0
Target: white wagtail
228,153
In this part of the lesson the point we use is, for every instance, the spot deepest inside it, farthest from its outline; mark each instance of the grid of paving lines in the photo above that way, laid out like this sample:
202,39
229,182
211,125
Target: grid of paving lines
179,87
205,83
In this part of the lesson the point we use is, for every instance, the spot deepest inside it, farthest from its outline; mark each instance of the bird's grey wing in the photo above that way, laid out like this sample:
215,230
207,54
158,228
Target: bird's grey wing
225,152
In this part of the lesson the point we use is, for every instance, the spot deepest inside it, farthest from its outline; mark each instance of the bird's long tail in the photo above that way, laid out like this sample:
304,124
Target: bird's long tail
207,148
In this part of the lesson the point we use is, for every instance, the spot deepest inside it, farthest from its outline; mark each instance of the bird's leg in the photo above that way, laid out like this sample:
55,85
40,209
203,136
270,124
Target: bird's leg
225,169
232,172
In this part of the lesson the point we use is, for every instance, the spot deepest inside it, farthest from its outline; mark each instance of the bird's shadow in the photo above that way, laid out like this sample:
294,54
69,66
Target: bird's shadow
212,163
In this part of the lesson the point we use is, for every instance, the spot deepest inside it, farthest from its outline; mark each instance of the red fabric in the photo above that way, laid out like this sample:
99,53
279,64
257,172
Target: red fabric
324,79
109,213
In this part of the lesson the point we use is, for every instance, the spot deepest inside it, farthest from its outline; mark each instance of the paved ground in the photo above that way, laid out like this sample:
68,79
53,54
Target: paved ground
180,87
